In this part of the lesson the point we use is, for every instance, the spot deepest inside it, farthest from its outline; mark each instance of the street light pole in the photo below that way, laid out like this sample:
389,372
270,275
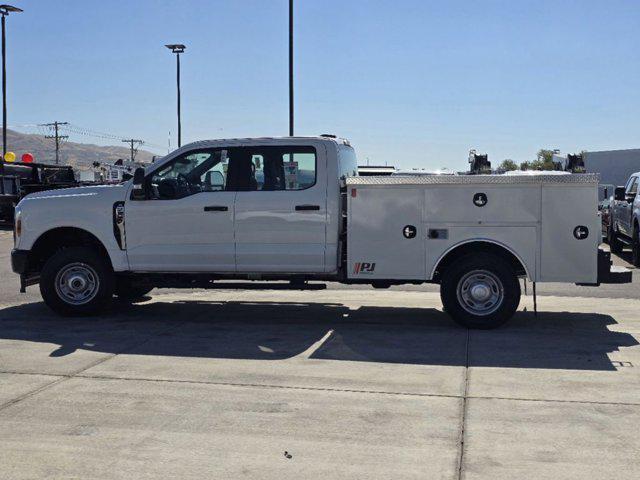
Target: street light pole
178,49
291,68
4,88
4,11
179,114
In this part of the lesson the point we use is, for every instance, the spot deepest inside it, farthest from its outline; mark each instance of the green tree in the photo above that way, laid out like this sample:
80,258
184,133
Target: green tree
544,160
508,165
525,166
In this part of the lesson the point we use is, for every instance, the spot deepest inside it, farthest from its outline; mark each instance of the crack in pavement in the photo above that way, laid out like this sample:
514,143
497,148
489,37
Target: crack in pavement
463,414
319,389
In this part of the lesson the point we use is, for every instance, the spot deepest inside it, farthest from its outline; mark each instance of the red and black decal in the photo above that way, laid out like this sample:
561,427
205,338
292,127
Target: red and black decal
363,267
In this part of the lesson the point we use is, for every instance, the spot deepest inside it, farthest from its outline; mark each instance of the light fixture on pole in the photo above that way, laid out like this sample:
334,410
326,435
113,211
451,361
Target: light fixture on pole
4,12
178,48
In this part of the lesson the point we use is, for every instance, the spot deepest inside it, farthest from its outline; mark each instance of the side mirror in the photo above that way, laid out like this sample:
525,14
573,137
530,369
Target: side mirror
217,181
618,194
138,192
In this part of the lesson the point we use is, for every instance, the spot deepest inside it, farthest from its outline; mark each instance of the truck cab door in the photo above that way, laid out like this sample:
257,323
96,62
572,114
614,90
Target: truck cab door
185,223
281,215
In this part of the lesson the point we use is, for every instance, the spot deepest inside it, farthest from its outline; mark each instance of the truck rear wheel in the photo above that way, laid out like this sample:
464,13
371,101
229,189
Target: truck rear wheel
480,291
77,281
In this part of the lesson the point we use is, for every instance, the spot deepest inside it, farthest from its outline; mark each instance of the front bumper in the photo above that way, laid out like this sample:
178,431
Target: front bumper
20,265
20,261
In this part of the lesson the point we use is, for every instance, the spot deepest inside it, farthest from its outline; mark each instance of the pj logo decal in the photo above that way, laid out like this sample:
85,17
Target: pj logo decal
363,267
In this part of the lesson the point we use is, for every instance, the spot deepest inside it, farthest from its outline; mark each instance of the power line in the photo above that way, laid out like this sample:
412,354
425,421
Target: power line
91,133
73,129
56,127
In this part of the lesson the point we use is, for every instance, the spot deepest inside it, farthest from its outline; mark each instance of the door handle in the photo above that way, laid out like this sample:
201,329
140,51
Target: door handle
302,208
216,208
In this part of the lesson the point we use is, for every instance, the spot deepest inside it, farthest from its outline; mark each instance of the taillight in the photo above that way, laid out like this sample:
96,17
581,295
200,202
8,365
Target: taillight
17,229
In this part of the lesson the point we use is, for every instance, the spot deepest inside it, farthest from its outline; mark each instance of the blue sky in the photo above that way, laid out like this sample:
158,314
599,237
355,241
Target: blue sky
411,83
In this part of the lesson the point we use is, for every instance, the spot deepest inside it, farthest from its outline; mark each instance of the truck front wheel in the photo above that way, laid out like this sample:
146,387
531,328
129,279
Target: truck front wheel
77,281
480,291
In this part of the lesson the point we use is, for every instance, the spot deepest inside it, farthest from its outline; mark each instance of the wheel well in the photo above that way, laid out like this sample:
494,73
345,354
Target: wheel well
476,248
57,239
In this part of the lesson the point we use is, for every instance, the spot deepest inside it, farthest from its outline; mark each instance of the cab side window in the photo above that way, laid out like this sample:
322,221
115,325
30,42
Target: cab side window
234,169
191,173
632,188
276,168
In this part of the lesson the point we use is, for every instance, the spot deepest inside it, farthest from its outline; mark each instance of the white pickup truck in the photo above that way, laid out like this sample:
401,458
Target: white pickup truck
295,209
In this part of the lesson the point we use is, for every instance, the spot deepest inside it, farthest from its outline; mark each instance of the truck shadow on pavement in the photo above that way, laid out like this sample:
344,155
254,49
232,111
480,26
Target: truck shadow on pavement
324,331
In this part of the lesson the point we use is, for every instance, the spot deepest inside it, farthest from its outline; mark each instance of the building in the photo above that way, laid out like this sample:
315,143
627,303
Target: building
614,166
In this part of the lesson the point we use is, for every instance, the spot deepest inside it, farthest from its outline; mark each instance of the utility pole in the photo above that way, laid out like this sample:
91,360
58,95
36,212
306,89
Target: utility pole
133,142
291,68
56,136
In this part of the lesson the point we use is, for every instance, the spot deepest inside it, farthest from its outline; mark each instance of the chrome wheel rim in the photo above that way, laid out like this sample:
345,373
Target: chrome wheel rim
77,283
480,292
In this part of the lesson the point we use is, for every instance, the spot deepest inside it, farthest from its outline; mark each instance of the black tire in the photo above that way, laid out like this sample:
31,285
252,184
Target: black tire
491,273
89,267
635,248
128,290
614,244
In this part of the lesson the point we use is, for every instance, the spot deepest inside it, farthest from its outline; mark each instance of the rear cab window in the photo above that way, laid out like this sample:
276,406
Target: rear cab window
347,162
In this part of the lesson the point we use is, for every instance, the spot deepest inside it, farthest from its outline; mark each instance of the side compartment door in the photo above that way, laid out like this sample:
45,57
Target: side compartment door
186,222
386,236
280,218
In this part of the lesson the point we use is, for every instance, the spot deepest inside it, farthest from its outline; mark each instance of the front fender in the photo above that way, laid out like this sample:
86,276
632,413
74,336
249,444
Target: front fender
91,211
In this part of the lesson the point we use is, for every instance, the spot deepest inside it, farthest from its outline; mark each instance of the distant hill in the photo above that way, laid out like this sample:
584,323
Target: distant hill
71,153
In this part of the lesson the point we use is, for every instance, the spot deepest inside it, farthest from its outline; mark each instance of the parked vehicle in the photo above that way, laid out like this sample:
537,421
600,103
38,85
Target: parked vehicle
623,229
604,207
295,209
21,179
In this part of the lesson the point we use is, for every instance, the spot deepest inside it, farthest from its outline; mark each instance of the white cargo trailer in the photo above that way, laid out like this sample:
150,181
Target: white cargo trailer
295,208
